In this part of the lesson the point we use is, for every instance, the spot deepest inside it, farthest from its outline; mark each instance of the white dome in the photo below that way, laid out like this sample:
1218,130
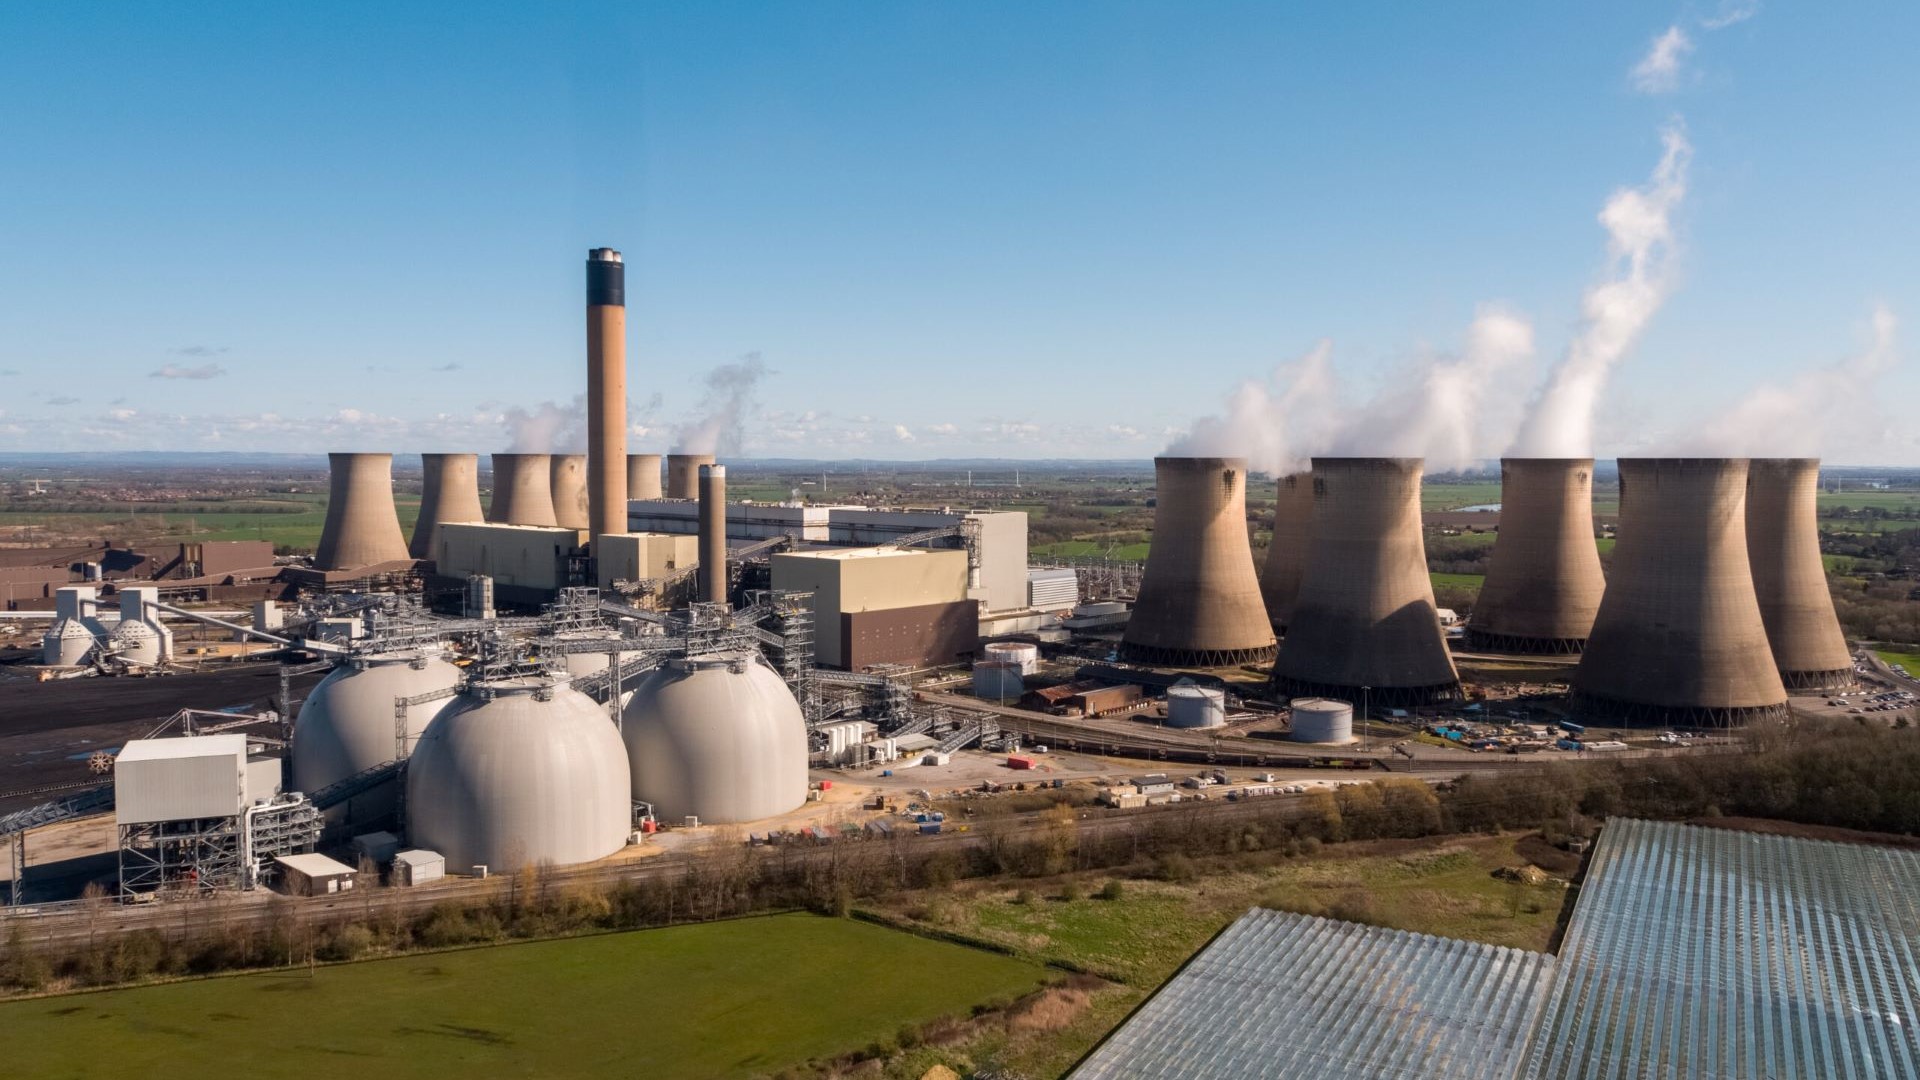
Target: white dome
519,772
346,725
136,641
719,738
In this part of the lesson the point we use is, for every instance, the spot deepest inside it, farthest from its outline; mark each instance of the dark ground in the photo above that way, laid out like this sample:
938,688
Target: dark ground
48,729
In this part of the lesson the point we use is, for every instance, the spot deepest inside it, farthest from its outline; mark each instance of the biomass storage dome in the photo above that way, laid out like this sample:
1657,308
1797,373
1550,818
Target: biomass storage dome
1322,720
1196,707
522,771
349,722
719,738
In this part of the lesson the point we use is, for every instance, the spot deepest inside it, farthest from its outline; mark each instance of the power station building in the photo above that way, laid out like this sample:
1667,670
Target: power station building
1199,599
880,605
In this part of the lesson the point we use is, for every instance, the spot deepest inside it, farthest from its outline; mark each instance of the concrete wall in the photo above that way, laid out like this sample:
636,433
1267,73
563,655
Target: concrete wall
524,556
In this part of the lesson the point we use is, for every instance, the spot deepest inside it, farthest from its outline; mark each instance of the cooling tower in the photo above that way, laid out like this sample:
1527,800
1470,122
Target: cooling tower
1544,581
361,527
1364,627
1679,639
713,534
450,493
683,474
606,494
1199,599
1789,579
1287,557
567,478
643,476
522,490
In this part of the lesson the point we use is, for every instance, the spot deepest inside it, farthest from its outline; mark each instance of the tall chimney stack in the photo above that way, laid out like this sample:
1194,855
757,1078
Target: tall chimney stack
362,527
1789,578
567,477
713,534
683,474
1544,580
451,492
606,393
1199,599
643,476
522,490
1679,640
1287,555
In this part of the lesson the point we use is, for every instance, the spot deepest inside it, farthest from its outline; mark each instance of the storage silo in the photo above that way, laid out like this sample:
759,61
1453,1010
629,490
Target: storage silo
140,637
1199,599
1789,578
998,680
567,479
683,474
1196,707
1023,655
516,772
1544,580
643,476
449,493
718,738
350,721
1287,554
1679,640
361,528
522,490
1365,617
76,627
1321,720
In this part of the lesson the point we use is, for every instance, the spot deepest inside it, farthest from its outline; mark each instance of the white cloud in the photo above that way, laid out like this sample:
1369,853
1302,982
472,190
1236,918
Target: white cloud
1658,72
901,433
1731,12
175,371
121,415
945,429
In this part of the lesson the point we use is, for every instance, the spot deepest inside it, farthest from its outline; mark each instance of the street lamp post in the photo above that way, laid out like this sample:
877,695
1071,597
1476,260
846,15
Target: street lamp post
1365,717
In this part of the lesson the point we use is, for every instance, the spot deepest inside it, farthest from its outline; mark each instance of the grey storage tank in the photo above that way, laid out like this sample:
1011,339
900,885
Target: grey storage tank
1196,707
719,738
1321,720
519,771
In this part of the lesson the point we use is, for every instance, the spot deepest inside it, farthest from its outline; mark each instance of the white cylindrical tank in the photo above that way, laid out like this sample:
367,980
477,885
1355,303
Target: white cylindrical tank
348,723
719,738
1027,656
1322,720
998,680
523,771
1196,707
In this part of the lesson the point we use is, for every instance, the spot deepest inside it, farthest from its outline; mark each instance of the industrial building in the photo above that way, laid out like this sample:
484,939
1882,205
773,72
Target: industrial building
1692,954
528,564
1790,578
1365,626
1287,552
638,556
1544,582
884,605
1679,639
1199,599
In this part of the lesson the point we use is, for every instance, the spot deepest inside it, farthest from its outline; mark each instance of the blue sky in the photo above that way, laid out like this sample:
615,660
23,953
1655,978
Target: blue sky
1024,230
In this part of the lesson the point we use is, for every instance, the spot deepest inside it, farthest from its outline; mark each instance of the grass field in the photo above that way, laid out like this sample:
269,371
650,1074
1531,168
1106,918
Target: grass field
732,999
1867,500
1455,496
292,521
1908,660
1458,581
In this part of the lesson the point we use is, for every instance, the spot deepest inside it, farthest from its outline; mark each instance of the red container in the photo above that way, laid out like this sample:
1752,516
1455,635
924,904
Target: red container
648,826
826,785
1015,761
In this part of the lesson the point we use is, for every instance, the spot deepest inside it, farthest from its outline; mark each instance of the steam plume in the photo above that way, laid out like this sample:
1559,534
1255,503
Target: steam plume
1276,425
548,428
1615,311
729,400
1448,414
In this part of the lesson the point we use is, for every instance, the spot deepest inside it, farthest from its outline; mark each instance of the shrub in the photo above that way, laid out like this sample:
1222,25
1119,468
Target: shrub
1112,890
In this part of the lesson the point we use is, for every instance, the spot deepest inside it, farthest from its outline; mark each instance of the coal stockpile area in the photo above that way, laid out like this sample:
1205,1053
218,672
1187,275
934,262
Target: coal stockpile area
48,730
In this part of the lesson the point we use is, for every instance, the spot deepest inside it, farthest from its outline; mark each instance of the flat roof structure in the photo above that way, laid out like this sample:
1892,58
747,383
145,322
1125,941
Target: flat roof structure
1285,995
1702,952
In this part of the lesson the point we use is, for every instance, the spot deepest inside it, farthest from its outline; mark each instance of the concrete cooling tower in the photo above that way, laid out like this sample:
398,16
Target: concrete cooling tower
450,493
1365,627
1789,579
567,477
683,474
643,476
349,722
606,468
719,738
522,490
362,527
1287,556
1199,600
522,771
1679,640
1544,581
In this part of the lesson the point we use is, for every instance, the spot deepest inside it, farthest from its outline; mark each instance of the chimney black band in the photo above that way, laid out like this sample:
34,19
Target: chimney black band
606,283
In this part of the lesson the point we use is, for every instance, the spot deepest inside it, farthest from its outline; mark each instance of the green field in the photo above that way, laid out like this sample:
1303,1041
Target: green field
1456,496
1082,549
732,999
1458,581
290,520
1908,660
1869,500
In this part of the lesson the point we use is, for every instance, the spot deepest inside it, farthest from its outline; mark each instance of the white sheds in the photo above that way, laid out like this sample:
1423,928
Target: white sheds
719,738
180,779
519,772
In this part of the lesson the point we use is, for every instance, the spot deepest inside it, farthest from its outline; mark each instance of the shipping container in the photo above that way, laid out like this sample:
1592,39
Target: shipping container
1015,761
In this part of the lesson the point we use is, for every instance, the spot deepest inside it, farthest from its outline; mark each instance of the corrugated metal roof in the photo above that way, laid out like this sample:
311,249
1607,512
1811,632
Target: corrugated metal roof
1285,995
1709,953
